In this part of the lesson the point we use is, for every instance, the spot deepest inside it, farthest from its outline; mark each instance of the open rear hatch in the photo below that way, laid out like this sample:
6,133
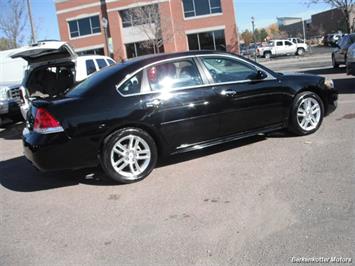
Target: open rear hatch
46,51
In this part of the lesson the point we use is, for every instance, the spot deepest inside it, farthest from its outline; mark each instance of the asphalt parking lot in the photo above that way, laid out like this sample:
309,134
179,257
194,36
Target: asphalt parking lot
259,201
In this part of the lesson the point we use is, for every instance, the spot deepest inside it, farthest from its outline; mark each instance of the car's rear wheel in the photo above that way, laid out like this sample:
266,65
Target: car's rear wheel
334,62
129,155
306,114
300,51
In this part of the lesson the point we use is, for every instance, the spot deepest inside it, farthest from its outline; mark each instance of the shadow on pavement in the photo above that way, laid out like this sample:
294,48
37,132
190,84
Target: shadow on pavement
345,86
18,174
12,131
326,71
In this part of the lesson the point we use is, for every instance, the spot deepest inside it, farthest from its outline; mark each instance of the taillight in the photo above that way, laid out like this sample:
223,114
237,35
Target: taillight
45,123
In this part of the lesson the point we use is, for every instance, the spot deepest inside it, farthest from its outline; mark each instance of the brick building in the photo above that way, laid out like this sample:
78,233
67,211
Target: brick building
330,21
185,25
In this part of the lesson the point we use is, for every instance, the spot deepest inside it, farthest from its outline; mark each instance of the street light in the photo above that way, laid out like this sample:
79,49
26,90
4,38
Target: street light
253,25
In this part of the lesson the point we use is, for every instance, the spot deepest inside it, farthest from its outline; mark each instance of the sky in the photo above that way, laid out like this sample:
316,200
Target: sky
264,11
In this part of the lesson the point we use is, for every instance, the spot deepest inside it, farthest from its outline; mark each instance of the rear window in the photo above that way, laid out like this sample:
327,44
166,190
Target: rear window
101,63
100,80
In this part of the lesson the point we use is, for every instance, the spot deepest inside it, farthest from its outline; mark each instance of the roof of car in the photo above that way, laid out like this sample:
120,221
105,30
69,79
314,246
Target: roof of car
141,61
163,56
93,56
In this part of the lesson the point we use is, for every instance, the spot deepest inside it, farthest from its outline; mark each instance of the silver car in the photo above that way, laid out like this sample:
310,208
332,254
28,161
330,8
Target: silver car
350,60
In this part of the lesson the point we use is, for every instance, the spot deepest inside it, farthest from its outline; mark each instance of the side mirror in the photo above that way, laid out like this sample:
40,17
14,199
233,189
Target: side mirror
260,75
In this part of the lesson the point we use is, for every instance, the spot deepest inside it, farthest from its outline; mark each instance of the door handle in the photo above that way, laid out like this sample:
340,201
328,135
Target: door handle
230,93
154,103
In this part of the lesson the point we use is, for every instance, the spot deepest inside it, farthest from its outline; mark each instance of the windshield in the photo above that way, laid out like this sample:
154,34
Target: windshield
271,43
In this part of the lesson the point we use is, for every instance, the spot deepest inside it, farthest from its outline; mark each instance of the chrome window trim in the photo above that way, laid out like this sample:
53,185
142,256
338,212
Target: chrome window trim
128,76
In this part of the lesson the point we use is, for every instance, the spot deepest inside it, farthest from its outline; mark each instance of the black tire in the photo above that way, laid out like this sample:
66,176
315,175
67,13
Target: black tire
267,55
109,143
300,51
334,63
294,125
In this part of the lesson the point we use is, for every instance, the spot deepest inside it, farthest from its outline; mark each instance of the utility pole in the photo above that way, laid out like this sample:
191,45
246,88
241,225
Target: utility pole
253,25
33,37
105,25
304,34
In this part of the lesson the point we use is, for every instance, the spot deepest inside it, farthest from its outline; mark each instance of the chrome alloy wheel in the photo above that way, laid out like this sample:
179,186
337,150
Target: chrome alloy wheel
130,156
308,114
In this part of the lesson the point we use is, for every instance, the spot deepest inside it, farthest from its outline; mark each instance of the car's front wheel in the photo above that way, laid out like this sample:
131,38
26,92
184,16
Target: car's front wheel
129,155
306,114
267,55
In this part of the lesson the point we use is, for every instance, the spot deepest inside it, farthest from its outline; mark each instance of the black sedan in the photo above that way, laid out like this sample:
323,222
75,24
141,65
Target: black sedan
129,114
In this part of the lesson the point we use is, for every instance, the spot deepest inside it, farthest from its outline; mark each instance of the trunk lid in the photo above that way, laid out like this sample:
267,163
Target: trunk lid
46,51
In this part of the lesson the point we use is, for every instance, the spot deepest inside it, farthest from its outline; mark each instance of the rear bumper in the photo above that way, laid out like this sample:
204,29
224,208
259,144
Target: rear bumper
51,152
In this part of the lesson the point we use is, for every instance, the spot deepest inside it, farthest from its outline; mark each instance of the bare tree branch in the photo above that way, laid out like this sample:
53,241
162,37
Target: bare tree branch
149,22
12,24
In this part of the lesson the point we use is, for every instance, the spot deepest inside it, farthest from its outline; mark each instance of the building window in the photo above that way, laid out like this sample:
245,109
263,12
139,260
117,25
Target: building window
99,51
213,40
84,26
139,15
140,48
193,8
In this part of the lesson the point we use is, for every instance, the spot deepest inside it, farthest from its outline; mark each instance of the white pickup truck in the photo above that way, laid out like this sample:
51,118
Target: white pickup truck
281,47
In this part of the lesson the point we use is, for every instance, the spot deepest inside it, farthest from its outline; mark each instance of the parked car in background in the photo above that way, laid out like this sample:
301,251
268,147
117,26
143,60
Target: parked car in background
9,102
339,55
126,116
11,75
350,62
332,39
301,44
53,68
278,48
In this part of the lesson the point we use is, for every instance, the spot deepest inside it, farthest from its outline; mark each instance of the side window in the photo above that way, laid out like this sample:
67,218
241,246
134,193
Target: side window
279,43
288,43
101,63
133,85
178,74
227,70
90,67
111,62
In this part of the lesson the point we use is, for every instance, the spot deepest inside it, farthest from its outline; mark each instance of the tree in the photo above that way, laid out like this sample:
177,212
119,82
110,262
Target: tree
13,22
346,7
274,32
263,35
4,44
247,37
